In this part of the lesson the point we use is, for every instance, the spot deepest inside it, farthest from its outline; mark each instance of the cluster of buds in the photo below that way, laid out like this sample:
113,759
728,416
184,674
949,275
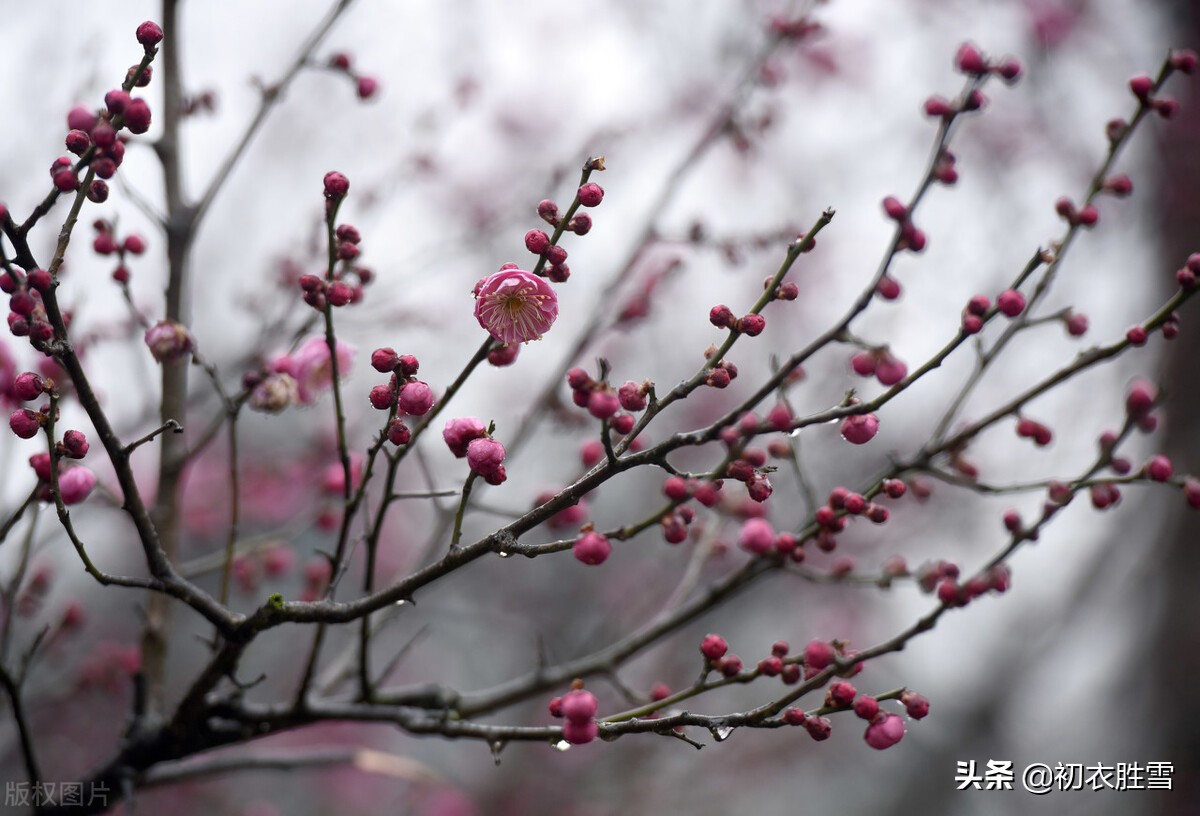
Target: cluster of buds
580,223
944,170
75,482
910,237
831,518
403,392
365,86
1085,216
777,664
721,373
1187,274
716,657
27,314
881,364
605,403
942,577
751,324
578,707
1030,429
95,136
955,594
347,280
107,243
974,313
970,60
748,468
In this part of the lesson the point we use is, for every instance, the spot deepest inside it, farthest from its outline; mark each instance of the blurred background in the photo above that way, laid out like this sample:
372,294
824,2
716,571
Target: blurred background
481,111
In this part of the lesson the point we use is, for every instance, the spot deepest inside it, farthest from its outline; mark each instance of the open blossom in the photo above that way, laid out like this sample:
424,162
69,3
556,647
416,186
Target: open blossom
310,367
515,306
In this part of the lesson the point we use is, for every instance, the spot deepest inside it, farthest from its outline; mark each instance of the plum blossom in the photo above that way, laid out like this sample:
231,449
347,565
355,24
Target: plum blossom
515,306
310,367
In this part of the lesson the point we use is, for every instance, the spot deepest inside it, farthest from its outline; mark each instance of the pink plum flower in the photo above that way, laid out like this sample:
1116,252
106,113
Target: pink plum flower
515,306
311,368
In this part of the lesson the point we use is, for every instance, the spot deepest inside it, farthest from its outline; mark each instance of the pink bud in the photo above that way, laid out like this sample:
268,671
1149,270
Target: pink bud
757,536
81,118
382,397
384,360
1009,70
591,548
40,462
1191,492
149,34
866,707
416,398
460,432
1184,60
603,404
591,194
885,731
818,728
890,370
1140,398
580,733
366,87
968,60
859,429
548,211
818,655
1141,85
398,433
137,115
28,386
894,209
1159,468
579,706
631,396
75,444
916,705
336,185
25,423
75,484
1010,302
537,241
485,456
713,647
